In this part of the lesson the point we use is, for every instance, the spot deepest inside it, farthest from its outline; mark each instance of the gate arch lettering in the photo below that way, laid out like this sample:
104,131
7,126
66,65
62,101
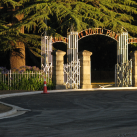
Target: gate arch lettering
96,31
59,39
88,32
132,40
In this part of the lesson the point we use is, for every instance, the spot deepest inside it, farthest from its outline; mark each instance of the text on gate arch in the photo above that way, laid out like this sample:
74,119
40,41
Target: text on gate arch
100,31
132,40
60,39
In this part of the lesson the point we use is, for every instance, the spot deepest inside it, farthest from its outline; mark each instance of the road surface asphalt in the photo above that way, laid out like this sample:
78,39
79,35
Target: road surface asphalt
74,114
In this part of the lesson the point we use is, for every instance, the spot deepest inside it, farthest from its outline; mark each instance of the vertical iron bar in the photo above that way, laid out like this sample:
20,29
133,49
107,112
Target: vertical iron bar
118,51
15,81
73,44
121,47
125,48
127,45
8,75
131,72
10,78
115,74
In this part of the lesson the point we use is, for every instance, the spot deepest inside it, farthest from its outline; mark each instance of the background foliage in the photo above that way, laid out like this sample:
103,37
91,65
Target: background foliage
56,16
29,79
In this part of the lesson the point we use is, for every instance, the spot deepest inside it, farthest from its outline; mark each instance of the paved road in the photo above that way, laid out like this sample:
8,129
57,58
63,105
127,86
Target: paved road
74,114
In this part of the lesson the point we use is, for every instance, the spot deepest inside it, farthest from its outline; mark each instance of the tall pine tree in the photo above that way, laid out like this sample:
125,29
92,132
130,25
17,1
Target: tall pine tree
111,14
60,14
12,36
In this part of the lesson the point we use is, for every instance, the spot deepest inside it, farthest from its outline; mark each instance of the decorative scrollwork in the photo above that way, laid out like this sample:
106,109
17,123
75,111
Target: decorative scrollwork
72,74
123,74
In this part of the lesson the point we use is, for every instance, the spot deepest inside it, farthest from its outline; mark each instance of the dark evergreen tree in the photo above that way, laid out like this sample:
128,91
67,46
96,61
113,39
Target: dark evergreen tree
111,14
60,14
12,37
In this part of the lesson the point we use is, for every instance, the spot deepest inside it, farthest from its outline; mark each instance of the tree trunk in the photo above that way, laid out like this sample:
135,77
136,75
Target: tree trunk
17,56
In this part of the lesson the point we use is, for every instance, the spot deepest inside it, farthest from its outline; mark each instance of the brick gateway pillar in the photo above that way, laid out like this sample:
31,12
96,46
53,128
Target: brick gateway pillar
85,69
57,70
133,56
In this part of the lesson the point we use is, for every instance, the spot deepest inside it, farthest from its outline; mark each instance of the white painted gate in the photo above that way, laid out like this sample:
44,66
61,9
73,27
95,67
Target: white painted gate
72,68
123,74
72,74
123,68
46,59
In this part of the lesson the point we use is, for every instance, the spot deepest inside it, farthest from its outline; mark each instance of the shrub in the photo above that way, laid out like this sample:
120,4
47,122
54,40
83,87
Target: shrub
19,81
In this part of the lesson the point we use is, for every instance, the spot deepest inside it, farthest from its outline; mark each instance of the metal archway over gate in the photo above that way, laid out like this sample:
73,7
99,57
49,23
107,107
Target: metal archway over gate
123,68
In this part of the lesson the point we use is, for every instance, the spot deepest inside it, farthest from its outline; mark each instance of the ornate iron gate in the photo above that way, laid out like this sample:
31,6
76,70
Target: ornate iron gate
122,48
72,74
46,59
47,70
72,68
123,68
123,74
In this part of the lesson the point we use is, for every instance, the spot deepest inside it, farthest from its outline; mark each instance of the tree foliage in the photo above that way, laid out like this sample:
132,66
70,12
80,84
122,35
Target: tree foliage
60,15
10,27
111,14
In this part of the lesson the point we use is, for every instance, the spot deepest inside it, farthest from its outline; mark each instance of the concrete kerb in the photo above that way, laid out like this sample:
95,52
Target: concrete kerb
15,111
10,112
92,89
65,90
19,111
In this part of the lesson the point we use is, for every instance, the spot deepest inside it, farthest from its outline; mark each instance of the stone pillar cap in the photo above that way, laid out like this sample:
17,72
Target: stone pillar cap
133,53
56,52
85,53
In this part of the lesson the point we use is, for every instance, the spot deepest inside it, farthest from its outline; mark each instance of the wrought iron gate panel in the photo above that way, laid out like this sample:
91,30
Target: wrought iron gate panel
72,47
123,74
46,59
123,68
72,69
122,48
47,70
46,49
72,74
